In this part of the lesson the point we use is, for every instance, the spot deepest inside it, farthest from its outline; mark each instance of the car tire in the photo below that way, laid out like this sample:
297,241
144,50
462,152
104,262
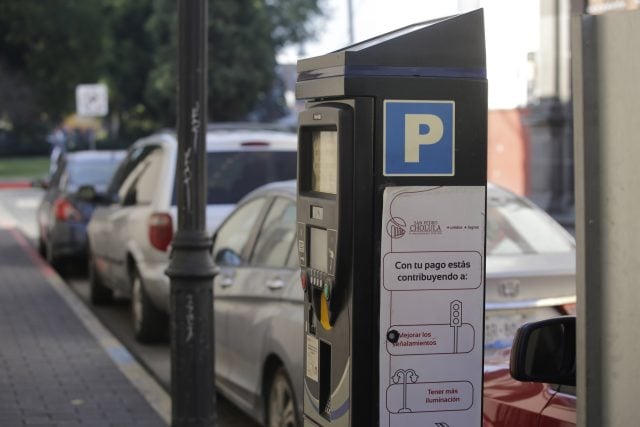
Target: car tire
281,402
99,294
150,325
56,262
42,248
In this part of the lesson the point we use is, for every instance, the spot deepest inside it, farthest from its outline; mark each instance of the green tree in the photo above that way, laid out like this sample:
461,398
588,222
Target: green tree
244,37
46,49
128,59
49,47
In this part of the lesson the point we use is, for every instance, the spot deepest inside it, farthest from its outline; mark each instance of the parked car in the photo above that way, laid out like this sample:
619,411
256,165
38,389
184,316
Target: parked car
537,385
530,267
69,201
258,301
130,237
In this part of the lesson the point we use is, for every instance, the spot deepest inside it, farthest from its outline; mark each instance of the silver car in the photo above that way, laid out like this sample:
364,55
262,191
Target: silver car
258,300
130,237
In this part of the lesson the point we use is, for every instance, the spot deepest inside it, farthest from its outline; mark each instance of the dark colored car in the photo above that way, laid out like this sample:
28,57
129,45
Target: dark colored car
537,386
69,201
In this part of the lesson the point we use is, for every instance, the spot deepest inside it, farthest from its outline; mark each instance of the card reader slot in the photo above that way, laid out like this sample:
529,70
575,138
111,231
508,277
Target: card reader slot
325,380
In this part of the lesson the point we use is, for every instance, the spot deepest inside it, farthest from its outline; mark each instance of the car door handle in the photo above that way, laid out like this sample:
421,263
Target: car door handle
226,280
227,275
276,283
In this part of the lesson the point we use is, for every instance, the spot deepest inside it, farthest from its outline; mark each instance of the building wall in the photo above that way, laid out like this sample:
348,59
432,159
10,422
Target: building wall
508,150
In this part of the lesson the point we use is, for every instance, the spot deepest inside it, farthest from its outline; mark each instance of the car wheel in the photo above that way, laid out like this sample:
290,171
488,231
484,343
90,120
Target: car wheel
150,324
281,402
98,293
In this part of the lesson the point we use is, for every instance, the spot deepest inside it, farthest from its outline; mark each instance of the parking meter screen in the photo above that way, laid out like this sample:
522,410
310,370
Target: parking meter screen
318,249
324,161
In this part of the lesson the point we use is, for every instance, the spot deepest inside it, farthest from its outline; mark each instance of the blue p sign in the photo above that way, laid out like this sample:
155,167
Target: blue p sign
419,138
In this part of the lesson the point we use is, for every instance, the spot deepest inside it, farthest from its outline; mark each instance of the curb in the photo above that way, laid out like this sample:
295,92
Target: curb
9,185
155,395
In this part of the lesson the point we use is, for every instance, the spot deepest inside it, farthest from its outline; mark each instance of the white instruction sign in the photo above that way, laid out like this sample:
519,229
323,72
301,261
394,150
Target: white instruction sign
312,358
432,306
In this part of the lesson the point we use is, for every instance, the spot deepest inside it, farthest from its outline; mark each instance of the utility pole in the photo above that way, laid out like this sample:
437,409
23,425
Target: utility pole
191,269
350,18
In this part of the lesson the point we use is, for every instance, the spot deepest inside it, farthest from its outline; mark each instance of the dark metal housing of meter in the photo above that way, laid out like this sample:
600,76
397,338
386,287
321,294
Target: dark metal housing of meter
340,185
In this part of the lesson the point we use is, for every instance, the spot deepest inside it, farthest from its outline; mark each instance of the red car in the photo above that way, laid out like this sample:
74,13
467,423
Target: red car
536,387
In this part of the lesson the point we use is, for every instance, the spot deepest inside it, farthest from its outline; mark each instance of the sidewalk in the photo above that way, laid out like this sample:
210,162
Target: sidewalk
58,365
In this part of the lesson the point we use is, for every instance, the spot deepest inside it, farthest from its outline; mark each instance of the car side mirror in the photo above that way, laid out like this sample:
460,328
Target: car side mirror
112,198
213,243
545,351
40,183
87,193
227,257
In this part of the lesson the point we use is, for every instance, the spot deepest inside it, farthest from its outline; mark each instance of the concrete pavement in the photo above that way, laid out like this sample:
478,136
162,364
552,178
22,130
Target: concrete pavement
58,365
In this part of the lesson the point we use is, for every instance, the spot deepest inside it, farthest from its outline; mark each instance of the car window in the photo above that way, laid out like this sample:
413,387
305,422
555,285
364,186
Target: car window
139,186
233,235
133,159
514,227
95,172
276,235
233,174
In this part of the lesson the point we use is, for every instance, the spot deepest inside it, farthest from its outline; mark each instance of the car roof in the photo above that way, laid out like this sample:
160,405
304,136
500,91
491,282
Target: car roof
252,139
95,155
234,136
494,193
280,188
289,187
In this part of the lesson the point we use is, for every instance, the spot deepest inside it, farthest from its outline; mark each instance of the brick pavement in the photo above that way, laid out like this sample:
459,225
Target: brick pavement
53,370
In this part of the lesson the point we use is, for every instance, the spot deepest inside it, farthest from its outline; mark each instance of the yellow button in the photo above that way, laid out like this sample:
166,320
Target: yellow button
324,314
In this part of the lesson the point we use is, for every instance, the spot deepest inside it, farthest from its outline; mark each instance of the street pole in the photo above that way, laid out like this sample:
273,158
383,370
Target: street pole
191,269
350,18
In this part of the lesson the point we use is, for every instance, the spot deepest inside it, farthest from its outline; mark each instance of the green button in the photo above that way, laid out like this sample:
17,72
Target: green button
327,291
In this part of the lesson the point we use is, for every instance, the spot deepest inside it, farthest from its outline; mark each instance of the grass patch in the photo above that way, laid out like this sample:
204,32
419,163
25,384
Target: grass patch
24,167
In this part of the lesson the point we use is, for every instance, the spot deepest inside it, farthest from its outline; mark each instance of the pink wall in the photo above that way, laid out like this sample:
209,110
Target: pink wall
508,143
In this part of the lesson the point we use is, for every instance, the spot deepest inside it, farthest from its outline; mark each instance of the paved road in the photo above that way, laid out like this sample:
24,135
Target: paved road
18,209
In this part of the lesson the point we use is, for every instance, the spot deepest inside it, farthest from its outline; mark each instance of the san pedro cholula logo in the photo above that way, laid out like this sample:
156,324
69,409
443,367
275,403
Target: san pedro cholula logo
396,227
425,227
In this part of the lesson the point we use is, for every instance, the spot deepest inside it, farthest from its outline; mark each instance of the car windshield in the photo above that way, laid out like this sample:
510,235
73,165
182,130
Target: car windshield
514,227
95,172
233,174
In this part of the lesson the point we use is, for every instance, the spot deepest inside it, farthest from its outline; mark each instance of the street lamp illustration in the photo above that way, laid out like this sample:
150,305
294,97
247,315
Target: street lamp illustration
404,375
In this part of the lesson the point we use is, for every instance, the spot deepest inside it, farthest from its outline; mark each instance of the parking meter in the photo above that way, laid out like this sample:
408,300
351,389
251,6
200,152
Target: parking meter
391,209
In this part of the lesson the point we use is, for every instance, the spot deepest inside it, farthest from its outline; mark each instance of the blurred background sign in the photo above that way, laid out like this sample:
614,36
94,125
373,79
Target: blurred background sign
92,100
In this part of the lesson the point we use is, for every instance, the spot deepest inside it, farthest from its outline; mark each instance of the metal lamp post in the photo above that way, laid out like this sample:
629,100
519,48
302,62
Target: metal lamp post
191,269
